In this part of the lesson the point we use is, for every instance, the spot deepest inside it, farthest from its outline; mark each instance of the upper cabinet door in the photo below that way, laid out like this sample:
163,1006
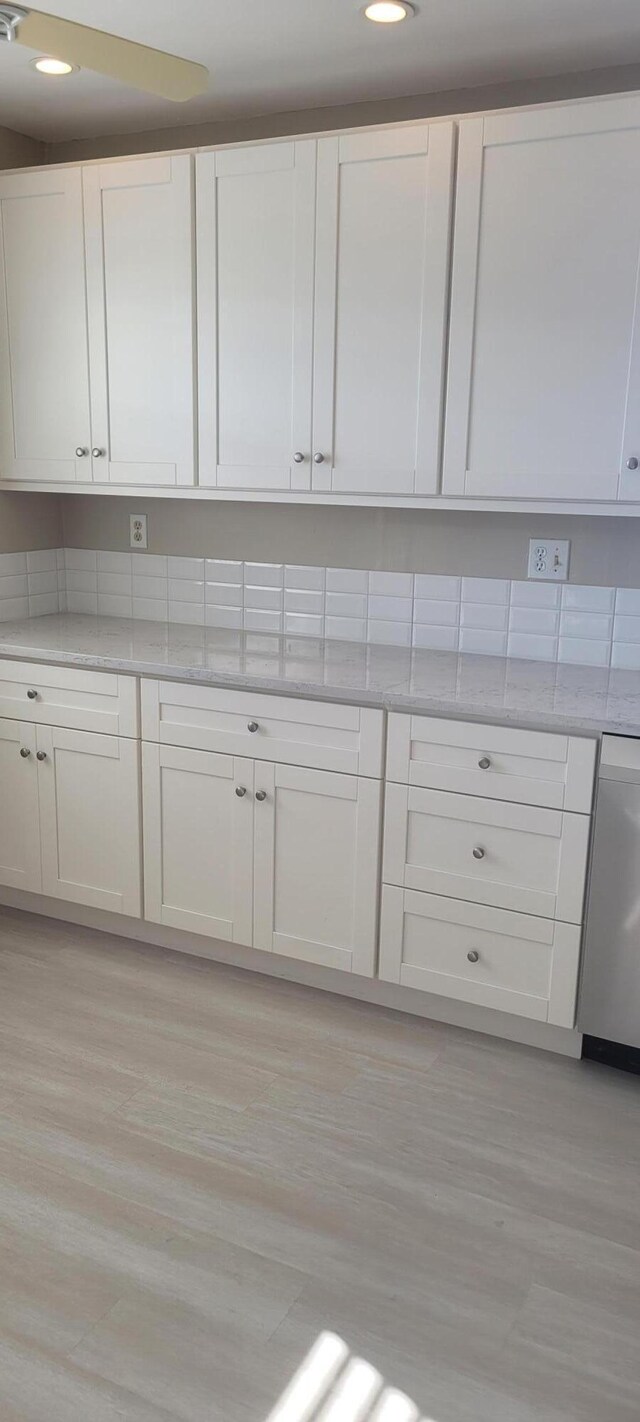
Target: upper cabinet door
256,213
140,276
44,372
544,353
384,212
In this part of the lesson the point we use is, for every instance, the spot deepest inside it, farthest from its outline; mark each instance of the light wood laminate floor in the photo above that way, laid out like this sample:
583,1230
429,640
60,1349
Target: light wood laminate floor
202,1170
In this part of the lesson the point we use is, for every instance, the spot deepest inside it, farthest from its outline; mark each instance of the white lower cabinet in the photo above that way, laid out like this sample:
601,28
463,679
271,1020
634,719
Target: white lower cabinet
276,857
19,815
510,961
198,840
89,819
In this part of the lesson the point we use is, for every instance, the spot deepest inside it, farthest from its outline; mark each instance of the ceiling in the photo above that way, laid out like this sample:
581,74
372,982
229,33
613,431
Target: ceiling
268,56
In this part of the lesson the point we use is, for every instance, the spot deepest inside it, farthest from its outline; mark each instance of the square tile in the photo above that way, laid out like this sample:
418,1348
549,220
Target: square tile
584,651
346,629
149,587
43,604
16,585
345,604
84,559
264,575
150,609
535,595
114,562
347,580
588,599
223,594
186,612
217,616
82,602
42,560
114,605
298,575
149,565
433,585
585,624
268,599
627,600
81,580
477,639
388,634
307,602
532,647
441,639
485,590
258,620
436,614
43,582
223,570
541,620
626,629
14,608
191,568
117,583
390,609
186,590
299,624
626,655
12,564
492,617
391,584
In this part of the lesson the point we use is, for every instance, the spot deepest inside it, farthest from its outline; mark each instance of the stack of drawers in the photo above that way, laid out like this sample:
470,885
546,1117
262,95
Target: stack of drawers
485,856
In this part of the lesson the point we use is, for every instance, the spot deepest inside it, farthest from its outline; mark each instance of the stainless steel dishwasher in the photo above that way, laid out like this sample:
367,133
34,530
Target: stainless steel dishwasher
609,1001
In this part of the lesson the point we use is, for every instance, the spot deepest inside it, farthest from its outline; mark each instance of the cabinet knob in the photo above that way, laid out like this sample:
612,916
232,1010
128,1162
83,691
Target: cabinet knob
80,452
298,457
252,726
484,763
97,453
318,458
261,794
478,852
240,791
25,752
632,463
41,755
32,694
473,956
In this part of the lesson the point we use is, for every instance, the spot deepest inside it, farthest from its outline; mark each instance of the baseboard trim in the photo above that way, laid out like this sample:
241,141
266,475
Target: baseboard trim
562,1040
613,1054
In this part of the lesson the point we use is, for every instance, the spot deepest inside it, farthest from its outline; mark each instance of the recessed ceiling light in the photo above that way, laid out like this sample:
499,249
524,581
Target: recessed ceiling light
388,12
46,65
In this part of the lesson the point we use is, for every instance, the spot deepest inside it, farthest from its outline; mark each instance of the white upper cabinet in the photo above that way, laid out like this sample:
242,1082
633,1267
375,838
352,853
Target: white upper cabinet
140,280
44,372
256,214
382,260
544,352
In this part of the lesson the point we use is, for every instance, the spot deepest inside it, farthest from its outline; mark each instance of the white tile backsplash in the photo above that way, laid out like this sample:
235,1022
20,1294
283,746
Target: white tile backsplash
485,615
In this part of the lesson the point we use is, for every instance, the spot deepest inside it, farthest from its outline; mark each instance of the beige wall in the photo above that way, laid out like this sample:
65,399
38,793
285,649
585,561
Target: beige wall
29,521
451,101
19,151
604,550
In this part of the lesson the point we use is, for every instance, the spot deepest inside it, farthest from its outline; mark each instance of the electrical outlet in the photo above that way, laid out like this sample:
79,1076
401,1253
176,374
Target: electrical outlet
549,559
137,530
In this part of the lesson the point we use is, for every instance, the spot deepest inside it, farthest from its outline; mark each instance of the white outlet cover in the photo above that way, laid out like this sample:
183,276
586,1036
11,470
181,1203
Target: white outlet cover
549,559
137,530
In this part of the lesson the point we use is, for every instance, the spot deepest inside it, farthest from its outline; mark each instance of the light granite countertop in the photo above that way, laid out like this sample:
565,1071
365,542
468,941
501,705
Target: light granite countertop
541,695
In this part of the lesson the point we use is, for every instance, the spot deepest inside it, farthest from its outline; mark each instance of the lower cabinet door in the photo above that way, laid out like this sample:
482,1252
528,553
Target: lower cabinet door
19,818
198,841
316,866
510,961
90,818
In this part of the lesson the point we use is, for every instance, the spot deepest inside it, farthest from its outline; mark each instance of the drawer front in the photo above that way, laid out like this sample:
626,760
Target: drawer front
497,762
317,734
508,961
516,857
66,696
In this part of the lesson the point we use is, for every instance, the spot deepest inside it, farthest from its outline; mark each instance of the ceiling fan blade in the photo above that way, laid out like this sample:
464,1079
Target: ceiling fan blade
150,69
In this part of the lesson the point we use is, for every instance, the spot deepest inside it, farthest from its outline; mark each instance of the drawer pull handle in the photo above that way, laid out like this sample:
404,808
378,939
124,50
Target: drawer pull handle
241,790
484,763
41,755
252,726
473,956
261,794
478,852
24,752
32,695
